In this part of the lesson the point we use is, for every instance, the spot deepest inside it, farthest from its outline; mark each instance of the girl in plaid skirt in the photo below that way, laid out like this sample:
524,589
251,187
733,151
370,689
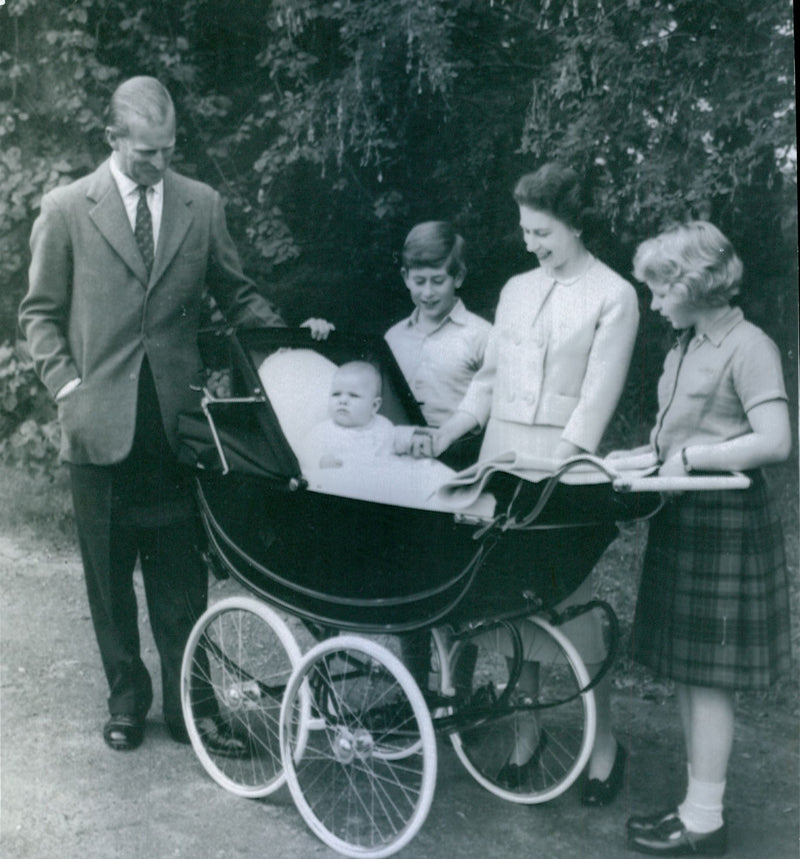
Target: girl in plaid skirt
712,612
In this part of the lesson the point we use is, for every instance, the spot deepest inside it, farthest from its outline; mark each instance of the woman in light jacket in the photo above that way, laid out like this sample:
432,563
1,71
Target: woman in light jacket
553,372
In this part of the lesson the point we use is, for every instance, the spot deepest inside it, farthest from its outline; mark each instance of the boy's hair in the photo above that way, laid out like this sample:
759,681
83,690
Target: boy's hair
554,189
364,367
695,254
144,97
435,244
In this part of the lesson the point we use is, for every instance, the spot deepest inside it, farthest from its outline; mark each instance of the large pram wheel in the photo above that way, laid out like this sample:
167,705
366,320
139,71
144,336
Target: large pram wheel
362,767
236,665
556,720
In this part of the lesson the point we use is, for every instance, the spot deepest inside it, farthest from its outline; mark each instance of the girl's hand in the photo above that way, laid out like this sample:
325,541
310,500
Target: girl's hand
632,460
320,328
673,467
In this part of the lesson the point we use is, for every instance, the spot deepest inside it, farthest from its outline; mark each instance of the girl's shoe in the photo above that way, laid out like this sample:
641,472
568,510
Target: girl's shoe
672,838
648,822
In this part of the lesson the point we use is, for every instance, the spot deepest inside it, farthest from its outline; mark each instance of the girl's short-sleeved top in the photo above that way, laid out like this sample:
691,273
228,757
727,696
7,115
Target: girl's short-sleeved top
710,382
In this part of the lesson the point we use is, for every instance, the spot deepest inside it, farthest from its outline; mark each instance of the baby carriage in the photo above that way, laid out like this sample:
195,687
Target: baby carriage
345,564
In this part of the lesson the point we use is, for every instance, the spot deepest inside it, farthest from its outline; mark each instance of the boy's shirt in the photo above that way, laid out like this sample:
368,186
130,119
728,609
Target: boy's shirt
439,365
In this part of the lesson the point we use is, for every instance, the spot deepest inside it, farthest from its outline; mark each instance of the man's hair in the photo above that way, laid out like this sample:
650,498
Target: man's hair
435,244
142,97
695,254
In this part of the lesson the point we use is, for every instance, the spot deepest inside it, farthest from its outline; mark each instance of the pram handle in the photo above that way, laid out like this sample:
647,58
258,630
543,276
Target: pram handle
642,481
702,482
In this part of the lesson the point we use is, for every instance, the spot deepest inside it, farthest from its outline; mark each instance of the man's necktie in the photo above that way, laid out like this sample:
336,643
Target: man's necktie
144,229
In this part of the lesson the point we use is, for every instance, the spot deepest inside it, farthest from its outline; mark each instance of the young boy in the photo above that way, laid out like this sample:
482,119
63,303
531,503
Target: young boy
354,432
440,346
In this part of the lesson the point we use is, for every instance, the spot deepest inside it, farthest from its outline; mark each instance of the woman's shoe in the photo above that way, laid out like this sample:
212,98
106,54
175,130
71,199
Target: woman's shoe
597,792
123,732
672,838
514,776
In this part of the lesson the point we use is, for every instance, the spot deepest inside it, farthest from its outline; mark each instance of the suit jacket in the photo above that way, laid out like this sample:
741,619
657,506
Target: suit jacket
92,312
558,354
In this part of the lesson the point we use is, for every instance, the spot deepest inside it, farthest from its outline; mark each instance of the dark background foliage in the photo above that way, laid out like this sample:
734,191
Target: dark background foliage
332,127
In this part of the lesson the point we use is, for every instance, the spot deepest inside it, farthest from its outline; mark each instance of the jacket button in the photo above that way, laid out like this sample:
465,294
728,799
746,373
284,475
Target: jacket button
133,376
511,397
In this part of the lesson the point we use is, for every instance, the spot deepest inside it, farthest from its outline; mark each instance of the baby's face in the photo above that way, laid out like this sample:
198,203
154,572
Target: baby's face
353,400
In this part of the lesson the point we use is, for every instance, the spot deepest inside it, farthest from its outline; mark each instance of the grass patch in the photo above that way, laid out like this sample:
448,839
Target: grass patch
36,510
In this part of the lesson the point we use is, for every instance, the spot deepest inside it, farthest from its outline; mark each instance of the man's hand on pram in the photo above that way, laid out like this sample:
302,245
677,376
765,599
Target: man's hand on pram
218,384
320,328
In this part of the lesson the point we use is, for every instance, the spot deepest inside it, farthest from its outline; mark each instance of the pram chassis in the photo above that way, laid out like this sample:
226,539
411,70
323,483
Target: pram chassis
346,726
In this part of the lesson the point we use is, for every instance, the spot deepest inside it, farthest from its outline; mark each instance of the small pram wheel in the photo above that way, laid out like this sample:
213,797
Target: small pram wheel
557,722
236,665
362,771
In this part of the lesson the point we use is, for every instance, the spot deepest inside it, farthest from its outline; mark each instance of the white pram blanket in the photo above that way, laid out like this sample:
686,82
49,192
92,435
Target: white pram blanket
297,383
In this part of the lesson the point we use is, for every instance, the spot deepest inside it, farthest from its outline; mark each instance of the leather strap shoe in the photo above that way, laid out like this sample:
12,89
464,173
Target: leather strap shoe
672,838
648,822
598,792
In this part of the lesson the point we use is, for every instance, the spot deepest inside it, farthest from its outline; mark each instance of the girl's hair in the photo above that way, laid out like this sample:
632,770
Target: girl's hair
435,244
143,97
554,189
695,254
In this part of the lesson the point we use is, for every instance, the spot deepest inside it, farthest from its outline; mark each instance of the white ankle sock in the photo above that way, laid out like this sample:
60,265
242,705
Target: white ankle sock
701,811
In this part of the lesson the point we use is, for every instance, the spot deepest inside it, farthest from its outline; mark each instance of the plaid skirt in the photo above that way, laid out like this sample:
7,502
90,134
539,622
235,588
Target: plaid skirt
713,604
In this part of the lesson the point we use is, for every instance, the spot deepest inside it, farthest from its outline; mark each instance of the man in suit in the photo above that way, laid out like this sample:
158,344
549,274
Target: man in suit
119,262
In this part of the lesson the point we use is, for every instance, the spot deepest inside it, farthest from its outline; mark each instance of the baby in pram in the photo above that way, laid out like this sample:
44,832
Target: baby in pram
346,456
353,432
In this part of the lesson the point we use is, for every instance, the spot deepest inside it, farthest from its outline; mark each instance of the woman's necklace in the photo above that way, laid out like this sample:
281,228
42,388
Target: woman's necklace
573,280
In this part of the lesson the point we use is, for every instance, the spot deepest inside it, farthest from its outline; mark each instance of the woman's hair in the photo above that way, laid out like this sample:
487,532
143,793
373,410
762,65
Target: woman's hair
554,189
143,97
695,254
435,244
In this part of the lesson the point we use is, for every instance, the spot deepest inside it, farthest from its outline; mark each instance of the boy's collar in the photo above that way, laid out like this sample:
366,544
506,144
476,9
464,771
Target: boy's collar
457,313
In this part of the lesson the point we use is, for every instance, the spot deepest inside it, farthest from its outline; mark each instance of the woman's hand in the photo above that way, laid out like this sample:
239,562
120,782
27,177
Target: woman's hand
320,328
452,429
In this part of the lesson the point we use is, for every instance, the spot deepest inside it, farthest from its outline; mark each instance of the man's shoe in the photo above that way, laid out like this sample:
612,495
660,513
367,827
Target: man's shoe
598,792
672,838
215,734
648,822
123,732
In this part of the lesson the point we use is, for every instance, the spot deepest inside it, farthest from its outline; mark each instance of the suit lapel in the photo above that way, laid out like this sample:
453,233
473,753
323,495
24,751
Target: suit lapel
176,218
110,218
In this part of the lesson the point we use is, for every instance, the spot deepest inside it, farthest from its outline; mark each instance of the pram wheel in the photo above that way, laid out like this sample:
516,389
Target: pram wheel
362,770
557,723
236,665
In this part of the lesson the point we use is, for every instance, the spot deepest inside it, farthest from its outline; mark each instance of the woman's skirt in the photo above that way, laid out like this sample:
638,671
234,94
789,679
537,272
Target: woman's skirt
713,604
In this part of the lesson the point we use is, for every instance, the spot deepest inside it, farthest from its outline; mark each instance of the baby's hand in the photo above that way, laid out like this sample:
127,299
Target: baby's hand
320,328
330,461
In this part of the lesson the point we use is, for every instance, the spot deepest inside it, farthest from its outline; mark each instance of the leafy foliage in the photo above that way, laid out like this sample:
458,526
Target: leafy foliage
332,126
29,432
